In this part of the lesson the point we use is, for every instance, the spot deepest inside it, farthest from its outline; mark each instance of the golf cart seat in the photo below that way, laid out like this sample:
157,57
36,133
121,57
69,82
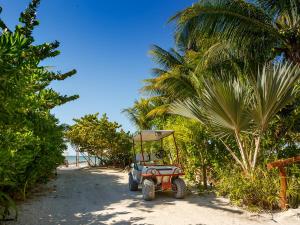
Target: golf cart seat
149,159
139,157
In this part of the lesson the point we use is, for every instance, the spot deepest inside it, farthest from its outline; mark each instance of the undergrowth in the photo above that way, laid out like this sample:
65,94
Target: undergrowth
259,191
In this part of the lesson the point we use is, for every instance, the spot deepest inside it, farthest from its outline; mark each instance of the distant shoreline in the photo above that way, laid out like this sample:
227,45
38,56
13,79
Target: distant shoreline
72,159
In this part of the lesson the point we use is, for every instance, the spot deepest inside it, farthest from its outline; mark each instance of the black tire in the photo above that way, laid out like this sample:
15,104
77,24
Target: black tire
179,188
133,185
148,190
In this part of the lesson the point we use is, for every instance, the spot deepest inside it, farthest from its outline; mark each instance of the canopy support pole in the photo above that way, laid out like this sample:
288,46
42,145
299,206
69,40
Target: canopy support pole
141,139
134,155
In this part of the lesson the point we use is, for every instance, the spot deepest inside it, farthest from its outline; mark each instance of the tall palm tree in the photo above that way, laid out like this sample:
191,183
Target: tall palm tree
175,78
264,28
239,109
138,113
172,78
180,75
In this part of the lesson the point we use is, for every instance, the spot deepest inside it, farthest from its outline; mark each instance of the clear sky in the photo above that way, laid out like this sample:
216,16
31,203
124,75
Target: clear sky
107,42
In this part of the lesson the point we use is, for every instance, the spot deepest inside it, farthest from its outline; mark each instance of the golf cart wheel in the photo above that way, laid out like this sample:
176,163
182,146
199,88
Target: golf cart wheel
133,185
179,188
148,190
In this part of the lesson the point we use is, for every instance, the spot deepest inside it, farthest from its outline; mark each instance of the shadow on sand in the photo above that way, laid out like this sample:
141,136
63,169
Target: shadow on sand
91,196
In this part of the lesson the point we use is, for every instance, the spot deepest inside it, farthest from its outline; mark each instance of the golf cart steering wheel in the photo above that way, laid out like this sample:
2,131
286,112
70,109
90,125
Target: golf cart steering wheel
160,154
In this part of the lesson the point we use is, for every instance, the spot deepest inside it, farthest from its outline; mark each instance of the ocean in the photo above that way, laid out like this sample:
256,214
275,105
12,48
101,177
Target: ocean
72,159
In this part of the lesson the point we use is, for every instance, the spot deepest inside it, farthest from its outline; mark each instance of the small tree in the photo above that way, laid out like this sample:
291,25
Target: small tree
101,138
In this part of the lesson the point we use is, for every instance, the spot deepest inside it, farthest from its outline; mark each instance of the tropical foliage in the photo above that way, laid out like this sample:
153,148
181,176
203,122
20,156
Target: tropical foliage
236,109
138,113
199,152
259,191
229,88
234,77
272,27
31,139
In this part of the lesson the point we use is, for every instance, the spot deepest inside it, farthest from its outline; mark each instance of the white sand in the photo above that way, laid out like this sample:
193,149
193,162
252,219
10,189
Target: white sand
100,196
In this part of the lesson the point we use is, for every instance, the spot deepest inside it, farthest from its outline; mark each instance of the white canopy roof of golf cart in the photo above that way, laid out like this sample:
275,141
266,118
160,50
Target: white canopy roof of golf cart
152,135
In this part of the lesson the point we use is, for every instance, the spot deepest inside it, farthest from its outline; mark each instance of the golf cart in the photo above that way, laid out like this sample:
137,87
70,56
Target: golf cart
151,171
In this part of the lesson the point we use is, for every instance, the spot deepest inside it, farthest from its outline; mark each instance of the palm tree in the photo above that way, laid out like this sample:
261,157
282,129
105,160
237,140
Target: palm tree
174,79
138,113
243,109
179,74
264,28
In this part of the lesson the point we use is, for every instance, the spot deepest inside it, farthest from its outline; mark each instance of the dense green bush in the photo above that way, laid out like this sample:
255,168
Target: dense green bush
31,139
293,191
198,152
257,191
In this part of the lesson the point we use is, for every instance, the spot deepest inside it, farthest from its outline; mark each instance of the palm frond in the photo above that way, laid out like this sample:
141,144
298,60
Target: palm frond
157,71
189,108
235,106
159,110
132,116
274,89
278,6
236,21
223,105
137,114
166,59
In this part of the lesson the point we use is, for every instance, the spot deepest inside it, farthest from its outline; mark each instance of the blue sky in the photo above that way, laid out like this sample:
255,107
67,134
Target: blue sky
107,42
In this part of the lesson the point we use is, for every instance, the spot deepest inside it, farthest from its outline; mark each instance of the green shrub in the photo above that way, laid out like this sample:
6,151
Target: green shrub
293,191
258,191
7,205
31,139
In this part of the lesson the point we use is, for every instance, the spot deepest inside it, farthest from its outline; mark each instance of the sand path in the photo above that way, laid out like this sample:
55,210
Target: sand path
101,196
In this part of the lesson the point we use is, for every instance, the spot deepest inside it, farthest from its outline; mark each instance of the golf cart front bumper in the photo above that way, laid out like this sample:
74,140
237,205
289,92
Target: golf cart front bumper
164,180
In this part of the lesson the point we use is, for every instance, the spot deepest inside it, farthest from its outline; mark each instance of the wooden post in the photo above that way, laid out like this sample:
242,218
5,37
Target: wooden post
283,187
280,164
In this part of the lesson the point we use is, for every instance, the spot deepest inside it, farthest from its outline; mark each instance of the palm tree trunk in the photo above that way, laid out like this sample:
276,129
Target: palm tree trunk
257,145
242,152
235,156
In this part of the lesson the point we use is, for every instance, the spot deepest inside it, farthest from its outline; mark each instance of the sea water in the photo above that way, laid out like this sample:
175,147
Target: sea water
72,159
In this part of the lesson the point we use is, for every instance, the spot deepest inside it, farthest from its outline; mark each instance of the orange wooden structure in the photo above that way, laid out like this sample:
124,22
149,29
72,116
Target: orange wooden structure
281,164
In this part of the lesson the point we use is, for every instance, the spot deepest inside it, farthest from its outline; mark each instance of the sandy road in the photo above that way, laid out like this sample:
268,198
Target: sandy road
101,196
